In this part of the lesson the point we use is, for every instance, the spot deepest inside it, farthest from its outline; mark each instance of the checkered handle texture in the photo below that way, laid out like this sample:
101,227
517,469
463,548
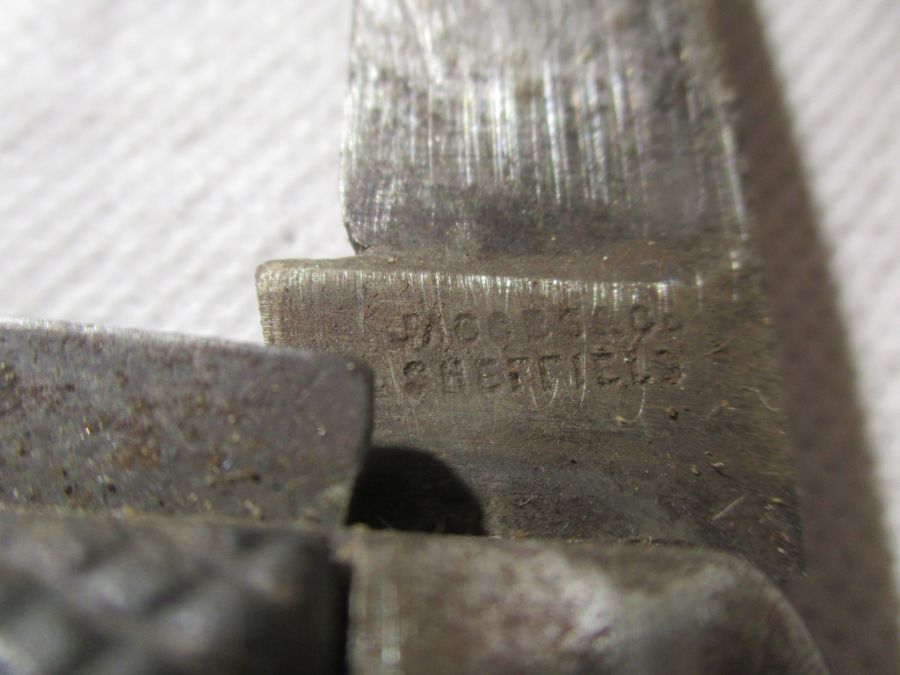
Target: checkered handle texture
85,595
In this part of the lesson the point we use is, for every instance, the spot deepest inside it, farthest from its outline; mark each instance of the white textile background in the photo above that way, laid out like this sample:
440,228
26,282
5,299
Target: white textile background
153,153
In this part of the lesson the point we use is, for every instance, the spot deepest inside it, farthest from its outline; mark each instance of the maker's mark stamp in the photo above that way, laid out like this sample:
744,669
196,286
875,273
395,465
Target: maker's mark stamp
552,350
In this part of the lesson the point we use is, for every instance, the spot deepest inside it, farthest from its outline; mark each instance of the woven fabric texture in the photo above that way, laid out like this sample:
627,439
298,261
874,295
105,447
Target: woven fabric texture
152,154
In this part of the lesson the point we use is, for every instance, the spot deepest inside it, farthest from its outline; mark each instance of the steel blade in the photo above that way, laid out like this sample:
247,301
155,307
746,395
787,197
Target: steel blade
558,293
521,126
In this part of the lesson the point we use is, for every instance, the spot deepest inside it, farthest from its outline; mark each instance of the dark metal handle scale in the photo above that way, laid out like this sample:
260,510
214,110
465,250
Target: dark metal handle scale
104,596
87,594
102,419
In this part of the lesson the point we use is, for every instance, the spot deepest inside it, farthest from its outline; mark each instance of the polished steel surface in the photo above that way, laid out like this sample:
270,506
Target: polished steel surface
520,126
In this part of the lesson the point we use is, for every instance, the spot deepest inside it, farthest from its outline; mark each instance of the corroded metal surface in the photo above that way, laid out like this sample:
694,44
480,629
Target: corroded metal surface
455,605
618,408
557,290
569,341
94,594
104,419
523,126
104,596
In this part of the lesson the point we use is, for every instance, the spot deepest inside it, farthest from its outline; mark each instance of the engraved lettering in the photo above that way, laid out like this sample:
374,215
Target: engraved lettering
465,327
579,368
608,371
555,373
535,322
641,318
402,328
671,322
518,368
415,375
499,328
570,323
426,332
452,375
490,375
663,367
411,328
630,369
637,350
604,323
549,369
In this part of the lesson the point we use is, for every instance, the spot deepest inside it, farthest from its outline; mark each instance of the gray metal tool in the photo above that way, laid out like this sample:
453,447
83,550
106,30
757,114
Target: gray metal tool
427,604
561,306
117,591
556,287
128,423
96,595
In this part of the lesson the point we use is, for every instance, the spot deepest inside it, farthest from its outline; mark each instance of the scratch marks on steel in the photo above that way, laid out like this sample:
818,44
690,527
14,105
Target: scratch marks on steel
582,120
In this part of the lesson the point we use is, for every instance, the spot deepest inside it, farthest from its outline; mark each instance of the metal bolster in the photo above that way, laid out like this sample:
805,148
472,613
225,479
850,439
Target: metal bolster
99,594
